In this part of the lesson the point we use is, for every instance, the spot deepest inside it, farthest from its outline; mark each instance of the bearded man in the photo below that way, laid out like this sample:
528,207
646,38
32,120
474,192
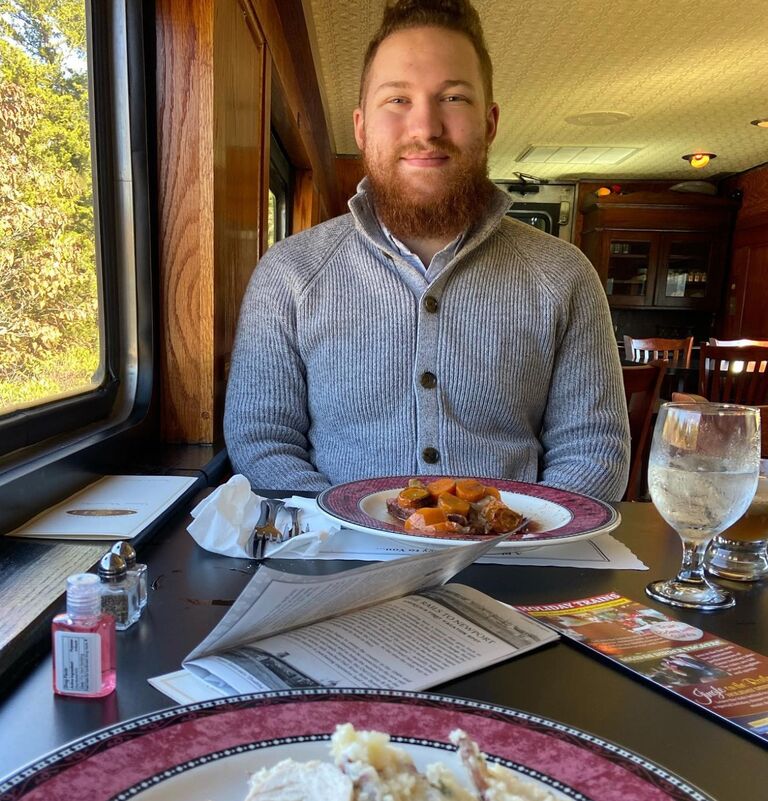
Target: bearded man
426,332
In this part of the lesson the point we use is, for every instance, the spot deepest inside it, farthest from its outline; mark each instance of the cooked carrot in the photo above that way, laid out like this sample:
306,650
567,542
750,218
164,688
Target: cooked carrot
470,490
452,505
440,486
427,516
492,492
449,525
413,497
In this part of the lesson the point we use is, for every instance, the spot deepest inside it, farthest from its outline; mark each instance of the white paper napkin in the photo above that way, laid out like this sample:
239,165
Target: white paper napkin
223,522
316,527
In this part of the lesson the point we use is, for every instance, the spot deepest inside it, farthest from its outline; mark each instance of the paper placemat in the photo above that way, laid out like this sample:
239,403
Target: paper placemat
602,552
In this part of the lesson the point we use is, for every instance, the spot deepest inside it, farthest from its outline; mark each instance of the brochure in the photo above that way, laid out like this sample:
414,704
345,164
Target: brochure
112,508
390,625
727,680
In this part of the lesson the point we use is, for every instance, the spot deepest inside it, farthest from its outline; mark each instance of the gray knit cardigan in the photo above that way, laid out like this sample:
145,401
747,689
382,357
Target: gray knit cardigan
348,363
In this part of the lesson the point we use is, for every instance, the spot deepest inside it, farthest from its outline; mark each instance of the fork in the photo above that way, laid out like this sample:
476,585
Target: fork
295,528
265,531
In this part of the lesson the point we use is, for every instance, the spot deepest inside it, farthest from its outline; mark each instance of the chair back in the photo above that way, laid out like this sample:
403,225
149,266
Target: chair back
676,351
680,397
641,389
734,374
739,343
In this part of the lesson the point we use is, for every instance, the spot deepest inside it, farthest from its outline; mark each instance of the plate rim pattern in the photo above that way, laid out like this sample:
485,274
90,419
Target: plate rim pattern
159,778
27,778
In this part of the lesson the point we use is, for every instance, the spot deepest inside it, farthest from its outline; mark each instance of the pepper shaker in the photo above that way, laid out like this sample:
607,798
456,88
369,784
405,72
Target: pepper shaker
119,591
137,569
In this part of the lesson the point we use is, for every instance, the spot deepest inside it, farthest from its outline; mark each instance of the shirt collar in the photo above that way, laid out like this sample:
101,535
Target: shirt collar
366,222
449,251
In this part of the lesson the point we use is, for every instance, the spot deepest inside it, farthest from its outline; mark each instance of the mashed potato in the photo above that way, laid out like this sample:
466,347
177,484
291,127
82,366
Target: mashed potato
368,767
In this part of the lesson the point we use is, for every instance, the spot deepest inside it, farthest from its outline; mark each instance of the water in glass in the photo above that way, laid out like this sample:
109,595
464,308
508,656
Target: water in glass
702,475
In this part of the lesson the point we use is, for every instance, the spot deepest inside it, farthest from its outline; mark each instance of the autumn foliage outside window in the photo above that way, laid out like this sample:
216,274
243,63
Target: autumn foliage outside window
49,311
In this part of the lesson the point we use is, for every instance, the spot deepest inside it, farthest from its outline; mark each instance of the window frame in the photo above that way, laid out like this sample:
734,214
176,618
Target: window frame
35,438
281,186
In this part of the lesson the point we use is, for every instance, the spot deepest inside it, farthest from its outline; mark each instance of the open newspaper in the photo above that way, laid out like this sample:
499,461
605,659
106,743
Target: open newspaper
390,625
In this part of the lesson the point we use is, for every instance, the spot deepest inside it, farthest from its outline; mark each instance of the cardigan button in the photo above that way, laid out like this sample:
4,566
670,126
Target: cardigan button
430,455
428,380
431,304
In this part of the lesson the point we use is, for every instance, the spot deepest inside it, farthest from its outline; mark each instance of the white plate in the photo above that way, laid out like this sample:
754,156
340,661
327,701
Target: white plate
556,515
226,779
206,751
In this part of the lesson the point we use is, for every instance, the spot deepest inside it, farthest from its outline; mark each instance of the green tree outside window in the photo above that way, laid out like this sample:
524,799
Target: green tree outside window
49,315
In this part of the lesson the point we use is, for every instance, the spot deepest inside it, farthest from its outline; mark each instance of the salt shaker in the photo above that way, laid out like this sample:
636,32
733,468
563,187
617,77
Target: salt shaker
137,569
119,591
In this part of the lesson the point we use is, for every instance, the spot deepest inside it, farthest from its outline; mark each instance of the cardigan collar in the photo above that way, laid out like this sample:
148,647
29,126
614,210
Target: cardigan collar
367,223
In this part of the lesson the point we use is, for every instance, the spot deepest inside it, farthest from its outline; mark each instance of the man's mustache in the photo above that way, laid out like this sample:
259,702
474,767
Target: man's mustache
437,146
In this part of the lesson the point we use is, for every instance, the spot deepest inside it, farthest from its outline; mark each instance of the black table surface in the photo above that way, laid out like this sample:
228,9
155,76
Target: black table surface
191,588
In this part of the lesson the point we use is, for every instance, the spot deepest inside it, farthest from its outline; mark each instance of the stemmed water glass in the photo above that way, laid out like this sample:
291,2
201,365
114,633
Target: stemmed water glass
702,475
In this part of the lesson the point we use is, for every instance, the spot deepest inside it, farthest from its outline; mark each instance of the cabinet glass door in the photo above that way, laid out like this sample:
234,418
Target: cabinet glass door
629,276
685,271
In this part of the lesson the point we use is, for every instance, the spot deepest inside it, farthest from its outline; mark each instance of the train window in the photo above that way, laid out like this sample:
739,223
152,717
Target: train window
49,307
280,193
74,222
272,215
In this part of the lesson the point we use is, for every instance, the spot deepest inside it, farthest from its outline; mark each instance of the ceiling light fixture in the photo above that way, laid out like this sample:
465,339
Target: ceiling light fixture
591,118
597,156
761,123
699,160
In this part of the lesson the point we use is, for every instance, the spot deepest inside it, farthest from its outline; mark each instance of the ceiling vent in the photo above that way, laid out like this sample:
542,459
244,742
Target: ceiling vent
576,154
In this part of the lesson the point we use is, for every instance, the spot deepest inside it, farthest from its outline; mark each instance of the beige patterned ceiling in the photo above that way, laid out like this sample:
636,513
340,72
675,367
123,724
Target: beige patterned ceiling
692,75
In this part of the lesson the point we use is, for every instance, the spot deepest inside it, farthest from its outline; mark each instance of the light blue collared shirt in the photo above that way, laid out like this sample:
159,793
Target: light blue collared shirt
439,260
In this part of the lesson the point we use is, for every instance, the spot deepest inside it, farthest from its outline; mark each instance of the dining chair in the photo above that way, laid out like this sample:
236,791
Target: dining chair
739,343
734,374
641,390
676,351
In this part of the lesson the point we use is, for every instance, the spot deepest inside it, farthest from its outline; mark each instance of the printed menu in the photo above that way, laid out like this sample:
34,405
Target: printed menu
727,680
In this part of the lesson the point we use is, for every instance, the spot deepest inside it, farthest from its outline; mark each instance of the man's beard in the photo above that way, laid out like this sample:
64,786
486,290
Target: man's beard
458,202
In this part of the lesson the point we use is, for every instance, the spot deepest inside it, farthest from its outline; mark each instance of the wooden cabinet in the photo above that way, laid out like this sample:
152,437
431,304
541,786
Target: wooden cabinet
747,287
627,265
691,270
654,251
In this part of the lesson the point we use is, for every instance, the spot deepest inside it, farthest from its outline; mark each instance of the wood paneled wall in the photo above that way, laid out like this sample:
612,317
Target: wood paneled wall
306,206
349,170
221,67
185,39
747,288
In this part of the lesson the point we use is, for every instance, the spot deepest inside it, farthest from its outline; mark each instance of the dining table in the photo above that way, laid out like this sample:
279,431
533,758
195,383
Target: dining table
190,589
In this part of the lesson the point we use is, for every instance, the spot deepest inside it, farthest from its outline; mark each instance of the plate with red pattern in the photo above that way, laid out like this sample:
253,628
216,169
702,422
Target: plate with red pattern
556,516
207,751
